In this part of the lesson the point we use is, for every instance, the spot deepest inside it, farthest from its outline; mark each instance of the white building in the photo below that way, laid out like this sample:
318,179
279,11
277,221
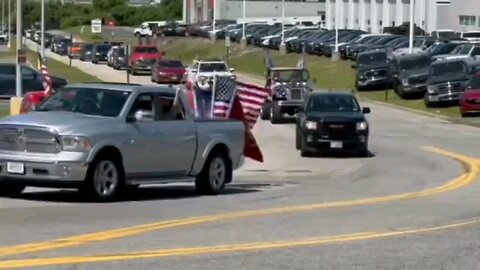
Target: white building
202,10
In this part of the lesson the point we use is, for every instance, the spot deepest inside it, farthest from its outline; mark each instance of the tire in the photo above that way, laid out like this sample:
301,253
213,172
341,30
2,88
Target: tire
363,153
137,34
11,190
265,111
275,114
401,92
427,103
216,172
113,172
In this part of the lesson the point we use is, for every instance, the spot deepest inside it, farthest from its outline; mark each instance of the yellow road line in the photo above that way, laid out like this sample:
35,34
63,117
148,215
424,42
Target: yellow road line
470,167
256,246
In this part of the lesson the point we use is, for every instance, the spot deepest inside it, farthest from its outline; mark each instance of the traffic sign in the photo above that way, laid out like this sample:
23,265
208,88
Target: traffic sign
227,41
96,26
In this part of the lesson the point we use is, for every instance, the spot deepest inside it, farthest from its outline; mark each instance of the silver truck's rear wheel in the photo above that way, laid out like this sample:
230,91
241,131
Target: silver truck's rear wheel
265,111
276,115
104,179
215,174
10,190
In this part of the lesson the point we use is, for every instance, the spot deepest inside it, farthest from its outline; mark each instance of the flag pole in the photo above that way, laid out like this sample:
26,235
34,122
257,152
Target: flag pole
234,96
214,86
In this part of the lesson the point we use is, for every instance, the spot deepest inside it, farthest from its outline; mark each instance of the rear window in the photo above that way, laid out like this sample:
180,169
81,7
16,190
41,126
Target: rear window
145,50
171,63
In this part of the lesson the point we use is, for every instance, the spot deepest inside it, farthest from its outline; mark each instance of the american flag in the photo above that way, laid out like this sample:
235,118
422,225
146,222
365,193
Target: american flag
223,92
252,98
47,80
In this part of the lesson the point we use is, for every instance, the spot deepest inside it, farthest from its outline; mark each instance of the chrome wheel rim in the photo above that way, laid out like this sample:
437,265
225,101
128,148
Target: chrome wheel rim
105,179
217,173
271,112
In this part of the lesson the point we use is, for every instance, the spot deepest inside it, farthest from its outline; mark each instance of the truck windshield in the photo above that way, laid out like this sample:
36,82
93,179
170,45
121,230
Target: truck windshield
332,103
372,58
414,63
290,75
145,50
446,68
92,101
212,67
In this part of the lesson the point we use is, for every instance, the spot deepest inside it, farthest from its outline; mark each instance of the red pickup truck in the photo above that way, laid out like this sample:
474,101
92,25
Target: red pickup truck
142,58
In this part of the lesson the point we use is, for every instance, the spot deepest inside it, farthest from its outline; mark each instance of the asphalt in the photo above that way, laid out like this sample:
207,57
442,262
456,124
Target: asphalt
406,206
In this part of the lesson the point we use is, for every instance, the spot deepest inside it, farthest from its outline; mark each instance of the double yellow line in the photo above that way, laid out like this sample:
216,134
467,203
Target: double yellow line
470,172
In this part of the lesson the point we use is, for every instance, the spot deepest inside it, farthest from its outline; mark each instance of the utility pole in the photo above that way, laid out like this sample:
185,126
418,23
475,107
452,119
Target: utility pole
18,77
243,41
282,47
9,44
412,22
42,30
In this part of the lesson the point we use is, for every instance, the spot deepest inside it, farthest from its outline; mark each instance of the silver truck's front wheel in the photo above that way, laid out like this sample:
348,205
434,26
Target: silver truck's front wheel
104,179
215,174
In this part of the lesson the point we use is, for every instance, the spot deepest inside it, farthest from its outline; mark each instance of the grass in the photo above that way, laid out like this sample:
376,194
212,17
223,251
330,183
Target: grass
83,33
4,113
57,68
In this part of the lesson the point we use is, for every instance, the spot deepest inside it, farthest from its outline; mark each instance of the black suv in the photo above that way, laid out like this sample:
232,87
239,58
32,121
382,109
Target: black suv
332,122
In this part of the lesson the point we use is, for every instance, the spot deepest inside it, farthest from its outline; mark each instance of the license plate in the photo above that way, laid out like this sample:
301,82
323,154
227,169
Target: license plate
15,167
174,77
336,144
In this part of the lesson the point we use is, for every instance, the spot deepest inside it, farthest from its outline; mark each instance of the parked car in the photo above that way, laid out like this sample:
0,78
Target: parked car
61,46
75,50
332,122
99,53
168,71
470,99
87,50
410,74
447,81
119,59
373,70
462,51
142,58
32,80
63,146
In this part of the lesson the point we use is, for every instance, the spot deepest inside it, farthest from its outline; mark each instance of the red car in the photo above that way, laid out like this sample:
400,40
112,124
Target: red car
470,99
142,58
168,71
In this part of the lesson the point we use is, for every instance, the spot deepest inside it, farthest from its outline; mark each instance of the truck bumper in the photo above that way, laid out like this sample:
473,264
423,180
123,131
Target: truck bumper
44,170
289,107
449,97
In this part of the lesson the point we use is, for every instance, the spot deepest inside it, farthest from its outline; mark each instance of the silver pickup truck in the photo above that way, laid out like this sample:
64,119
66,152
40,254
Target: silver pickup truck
105,139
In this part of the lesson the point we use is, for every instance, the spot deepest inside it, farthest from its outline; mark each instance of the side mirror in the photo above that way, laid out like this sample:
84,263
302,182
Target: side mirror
140,116
193,70
366,110
354,66
232,70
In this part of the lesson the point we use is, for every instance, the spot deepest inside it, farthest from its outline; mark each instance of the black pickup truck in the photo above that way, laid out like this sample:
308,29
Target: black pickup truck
332,122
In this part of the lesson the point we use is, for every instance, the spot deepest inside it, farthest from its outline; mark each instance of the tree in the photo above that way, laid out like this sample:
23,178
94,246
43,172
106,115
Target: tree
107,5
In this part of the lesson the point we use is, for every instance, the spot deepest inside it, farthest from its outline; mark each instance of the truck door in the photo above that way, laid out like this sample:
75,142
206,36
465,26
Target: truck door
144,157
177,135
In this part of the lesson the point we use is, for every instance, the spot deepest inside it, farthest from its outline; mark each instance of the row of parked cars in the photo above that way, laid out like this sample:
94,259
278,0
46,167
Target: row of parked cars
441,71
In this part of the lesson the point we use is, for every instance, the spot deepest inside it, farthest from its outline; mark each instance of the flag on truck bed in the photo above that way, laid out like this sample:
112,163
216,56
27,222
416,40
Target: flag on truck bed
224,88
252,98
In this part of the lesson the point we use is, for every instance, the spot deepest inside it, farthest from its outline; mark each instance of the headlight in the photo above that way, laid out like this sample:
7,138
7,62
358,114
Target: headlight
431,89
75,143
362,125
310,125
405,81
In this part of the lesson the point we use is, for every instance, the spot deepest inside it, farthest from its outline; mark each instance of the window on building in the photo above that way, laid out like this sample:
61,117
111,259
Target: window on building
380,22
467,20
368,22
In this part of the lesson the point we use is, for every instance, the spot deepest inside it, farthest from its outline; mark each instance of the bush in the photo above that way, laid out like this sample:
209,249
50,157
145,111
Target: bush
71,15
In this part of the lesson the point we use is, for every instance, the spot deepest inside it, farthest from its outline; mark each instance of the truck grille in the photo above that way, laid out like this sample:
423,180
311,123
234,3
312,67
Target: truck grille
450,87
417,80
149,62
337,131
376,73
26,139
296,93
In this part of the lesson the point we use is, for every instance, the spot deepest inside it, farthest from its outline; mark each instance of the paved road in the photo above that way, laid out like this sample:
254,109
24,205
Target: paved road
317,213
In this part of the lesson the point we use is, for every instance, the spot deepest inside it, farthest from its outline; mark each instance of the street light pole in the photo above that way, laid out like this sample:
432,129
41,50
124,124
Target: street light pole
336,25
412,22
213,24
42,30
3,15
9,44
18,75
243,41
282,48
